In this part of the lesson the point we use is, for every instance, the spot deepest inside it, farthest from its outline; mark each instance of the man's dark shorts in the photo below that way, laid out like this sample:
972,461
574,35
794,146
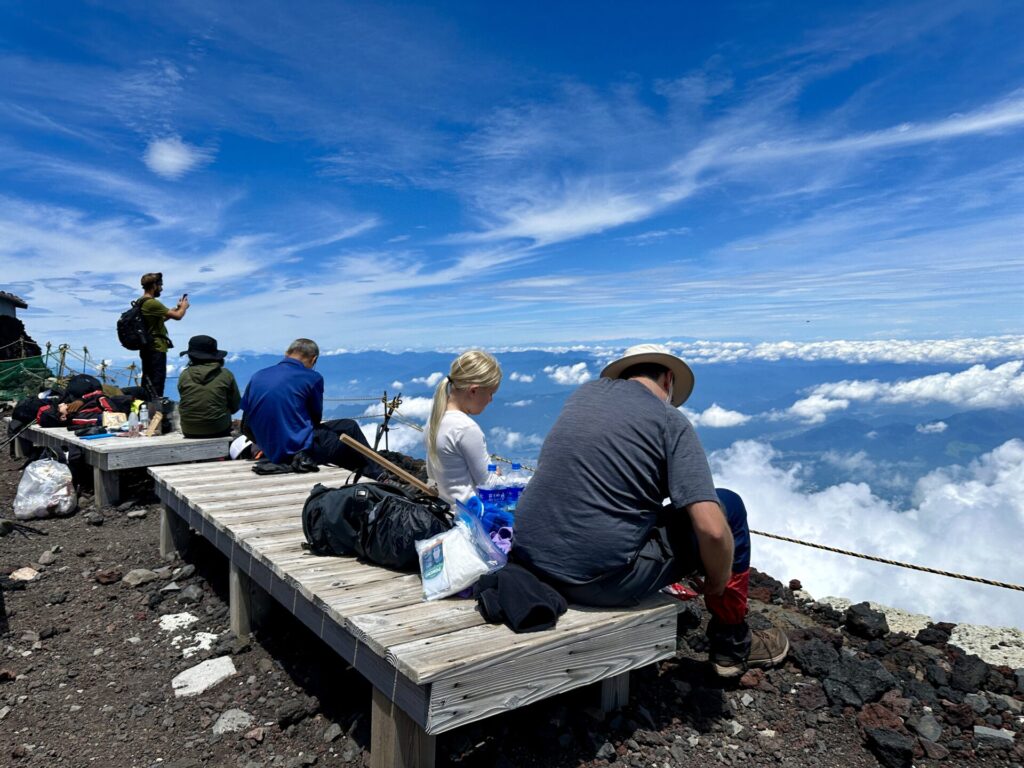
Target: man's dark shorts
670,554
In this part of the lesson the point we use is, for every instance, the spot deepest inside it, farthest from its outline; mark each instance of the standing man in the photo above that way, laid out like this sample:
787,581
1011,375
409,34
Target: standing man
283,405
154,313
594,523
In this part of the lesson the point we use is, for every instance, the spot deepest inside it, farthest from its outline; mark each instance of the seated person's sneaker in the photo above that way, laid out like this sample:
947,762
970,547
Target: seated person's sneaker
767,648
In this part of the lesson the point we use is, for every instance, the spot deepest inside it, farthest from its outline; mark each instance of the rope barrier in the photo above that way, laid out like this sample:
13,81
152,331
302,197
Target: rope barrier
351,399
911,566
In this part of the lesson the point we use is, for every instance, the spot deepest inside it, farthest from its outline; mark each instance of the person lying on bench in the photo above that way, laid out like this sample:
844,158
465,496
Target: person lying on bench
593,522
283,405
207,391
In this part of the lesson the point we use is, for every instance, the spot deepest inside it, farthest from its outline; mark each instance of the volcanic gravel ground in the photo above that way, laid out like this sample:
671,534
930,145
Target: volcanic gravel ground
86,670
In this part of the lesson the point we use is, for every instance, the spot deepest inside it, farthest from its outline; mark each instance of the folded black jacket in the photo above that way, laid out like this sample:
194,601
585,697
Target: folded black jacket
517,598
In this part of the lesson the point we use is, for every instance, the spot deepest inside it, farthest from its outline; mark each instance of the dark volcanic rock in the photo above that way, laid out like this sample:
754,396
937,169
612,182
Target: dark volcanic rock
814,657
934,634
969,673
879,716
921,691
855,683
893,749
862,620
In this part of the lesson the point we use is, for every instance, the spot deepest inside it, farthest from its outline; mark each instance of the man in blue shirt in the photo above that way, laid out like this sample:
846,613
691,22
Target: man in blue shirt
283,405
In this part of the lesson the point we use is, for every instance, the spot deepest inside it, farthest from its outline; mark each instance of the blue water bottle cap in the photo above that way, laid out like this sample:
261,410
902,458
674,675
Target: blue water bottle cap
491,467
517,466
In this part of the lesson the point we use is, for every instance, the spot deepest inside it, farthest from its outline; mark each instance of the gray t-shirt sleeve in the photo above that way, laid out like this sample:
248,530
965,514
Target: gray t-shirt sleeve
689,476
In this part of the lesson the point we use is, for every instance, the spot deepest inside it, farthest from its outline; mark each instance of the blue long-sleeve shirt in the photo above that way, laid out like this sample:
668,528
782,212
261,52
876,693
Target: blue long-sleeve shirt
282,405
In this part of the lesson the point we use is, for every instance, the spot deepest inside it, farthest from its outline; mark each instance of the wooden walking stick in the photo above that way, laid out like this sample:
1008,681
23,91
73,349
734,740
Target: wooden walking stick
390,467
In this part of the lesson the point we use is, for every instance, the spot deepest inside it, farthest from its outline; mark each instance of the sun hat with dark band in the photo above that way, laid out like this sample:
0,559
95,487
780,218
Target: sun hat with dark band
204,349
655,353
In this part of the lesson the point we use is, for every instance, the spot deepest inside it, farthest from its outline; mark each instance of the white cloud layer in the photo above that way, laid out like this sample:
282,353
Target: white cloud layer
935,428
506,439
519,403
525,378
977,387
716,417
569,375
172,158
961,520
429,380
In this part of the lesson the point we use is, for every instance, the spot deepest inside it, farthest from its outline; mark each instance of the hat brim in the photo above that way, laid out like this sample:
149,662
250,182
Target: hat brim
682,376
206,357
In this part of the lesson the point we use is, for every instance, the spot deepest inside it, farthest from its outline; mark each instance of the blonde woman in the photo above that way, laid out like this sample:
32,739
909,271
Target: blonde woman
457,455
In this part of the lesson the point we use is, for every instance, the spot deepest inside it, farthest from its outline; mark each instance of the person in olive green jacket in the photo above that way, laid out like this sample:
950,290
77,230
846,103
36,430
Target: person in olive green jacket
208,393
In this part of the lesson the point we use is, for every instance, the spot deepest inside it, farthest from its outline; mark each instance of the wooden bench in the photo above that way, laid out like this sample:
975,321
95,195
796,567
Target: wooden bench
108,456
433,665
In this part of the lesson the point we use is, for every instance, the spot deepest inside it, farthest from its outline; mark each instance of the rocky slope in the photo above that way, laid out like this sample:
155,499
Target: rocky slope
100,643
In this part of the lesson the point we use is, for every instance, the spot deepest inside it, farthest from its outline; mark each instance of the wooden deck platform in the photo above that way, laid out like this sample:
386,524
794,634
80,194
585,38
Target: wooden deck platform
110,455
434,666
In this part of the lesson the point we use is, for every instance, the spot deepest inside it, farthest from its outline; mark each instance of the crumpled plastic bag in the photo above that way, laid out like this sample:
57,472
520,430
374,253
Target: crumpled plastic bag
45,489
454,560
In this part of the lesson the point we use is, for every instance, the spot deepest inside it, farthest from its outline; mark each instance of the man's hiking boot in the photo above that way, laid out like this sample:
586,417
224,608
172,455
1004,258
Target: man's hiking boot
767,648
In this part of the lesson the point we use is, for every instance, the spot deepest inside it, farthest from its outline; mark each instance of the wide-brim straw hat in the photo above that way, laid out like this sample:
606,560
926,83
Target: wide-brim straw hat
655,353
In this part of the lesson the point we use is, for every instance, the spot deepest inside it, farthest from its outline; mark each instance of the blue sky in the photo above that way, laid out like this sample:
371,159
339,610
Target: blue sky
412,175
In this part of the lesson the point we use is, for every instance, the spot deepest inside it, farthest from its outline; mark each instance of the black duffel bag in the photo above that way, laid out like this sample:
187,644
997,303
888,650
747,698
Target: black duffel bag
374,521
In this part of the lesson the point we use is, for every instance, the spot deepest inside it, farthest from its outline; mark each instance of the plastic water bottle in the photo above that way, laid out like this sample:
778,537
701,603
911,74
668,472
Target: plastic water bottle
143,417
516,481
133,424
494,494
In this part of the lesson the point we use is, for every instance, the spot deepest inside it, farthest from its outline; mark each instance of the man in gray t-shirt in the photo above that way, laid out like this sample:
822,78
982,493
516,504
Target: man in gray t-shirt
594,521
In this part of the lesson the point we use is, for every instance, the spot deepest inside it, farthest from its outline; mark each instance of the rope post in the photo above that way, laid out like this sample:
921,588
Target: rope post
63,349
131,375
85,358
47,361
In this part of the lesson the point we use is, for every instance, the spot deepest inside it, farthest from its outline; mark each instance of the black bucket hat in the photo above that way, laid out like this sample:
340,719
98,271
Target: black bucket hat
203,349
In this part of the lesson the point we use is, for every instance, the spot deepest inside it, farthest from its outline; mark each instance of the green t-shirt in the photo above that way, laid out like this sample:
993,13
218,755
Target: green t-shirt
154,313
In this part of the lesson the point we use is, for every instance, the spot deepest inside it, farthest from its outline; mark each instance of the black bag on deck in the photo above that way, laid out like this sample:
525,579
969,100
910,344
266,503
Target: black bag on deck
80,385
377,522
131,328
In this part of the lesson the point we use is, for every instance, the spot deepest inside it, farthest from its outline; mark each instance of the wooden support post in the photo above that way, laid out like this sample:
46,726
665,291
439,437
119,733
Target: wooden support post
19,449
240,601
615,692
174,534
107,487
396,741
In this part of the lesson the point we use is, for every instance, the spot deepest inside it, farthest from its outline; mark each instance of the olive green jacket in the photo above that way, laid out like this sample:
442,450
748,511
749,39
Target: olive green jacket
208,395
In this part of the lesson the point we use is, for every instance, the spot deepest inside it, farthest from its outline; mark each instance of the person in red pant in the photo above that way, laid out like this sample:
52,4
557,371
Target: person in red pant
594,522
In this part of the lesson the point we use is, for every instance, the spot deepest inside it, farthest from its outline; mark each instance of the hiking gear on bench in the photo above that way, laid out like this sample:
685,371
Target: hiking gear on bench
377,522
516,598
764,648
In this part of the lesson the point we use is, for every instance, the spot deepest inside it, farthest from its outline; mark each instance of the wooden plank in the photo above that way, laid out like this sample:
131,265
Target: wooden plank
127,453
516,682
106,487
383,629
239,601
395,740
615,692
482,647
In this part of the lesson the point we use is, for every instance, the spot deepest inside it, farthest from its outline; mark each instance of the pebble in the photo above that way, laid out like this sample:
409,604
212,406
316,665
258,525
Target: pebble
232,721
93,518
107,575
171,587
138,576
333,732
24,574
191,595
47,558
136,514
992,737
184,572
204,676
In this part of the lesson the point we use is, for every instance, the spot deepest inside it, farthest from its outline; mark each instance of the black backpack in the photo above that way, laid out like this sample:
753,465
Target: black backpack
80,385
132,331
377,522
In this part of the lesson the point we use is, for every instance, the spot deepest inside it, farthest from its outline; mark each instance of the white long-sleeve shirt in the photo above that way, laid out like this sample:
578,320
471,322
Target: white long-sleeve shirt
462,457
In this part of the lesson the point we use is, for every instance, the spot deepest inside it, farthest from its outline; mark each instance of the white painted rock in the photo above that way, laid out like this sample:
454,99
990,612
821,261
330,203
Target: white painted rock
203,676
232,721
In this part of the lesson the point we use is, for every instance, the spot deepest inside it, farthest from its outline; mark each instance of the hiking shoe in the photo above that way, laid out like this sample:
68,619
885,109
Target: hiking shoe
767,648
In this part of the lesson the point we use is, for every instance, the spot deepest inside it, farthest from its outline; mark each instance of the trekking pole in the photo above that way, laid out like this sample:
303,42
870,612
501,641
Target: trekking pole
389,410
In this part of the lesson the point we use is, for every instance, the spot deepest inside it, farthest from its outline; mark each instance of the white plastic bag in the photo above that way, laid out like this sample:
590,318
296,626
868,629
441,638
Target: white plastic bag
455,559
45,489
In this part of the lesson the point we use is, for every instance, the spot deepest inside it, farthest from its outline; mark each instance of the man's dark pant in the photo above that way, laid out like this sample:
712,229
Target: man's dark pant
672,554
154,371
328,448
